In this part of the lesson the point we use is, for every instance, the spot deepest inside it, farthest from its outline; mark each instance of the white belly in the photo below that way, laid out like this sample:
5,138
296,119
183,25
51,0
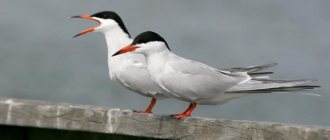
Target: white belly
130,71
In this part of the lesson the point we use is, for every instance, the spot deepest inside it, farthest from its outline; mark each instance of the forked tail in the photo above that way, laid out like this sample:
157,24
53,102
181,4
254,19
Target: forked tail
254,71
269,85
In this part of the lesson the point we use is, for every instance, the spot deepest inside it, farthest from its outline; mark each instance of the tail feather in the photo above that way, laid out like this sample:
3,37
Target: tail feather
260,73
281,89
252,69
268,86
261,83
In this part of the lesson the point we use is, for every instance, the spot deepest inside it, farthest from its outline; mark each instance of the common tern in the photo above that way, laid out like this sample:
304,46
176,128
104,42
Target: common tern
198,83
129,70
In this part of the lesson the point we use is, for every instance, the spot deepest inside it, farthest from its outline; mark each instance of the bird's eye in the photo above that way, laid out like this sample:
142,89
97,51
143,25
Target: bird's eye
140,41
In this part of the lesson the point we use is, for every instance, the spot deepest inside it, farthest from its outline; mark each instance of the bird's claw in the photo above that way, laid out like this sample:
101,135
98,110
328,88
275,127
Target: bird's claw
180,116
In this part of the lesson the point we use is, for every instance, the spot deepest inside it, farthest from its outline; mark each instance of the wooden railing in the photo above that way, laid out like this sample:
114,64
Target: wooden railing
69,117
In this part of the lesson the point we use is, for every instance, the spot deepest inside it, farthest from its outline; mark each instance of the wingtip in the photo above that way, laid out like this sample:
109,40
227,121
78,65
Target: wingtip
308,80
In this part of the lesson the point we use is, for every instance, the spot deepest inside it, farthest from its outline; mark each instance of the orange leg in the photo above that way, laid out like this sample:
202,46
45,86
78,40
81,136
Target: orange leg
186,113
150,107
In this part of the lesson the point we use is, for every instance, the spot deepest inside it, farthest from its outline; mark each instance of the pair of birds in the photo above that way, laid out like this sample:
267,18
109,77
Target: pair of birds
153,70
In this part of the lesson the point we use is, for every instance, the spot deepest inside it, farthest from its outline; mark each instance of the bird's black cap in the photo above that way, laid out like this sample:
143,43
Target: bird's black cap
149,36
114,16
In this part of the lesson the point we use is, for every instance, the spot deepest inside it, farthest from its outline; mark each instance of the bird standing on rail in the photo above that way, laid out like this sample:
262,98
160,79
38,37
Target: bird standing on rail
129,70
198,83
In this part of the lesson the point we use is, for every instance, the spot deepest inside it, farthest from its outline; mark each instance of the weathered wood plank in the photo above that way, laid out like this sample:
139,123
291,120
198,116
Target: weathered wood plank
32,133
18,112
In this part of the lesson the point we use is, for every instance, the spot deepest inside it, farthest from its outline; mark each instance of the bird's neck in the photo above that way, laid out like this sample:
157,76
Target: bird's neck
158,52
157,61
116,39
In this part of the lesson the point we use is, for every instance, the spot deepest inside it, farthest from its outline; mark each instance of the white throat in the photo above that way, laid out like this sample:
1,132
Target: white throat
116,39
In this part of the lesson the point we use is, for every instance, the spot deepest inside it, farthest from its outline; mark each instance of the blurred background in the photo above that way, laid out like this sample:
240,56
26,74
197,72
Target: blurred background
40,60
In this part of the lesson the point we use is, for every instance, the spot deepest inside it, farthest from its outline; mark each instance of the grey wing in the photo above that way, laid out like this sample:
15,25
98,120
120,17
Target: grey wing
193,80
253,71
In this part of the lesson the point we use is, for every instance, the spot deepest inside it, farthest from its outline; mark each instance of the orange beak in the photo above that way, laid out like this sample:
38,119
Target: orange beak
126,49
89,29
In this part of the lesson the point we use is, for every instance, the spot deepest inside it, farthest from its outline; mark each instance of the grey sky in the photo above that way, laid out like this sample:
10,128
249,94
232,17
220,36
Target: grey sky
40,60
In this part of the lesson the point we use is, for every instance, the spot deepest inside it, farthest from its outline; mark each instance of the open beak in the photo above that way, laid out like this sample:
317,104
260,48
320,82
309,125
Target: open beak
89,29
129,48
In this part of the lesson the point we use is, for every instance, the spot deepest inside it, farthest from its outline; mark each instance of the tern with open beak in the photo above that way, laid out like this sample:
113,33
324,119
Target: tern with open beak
129,70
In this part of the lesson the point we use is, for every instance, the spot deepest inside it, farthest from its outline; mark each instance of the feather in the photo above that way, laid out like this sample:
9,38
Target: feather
268,86
252,69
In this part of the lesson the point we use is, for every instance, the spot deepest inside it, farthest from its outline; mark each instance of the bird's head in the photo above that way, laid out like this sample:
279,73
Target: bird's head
145,43
106,21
